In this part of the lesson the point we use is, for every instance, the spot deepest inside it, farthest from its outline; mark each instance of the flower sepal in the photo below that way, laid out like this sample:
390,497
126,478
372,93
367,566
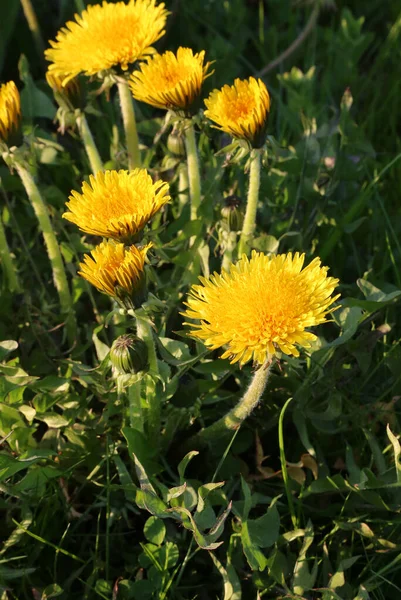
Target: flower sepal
235,152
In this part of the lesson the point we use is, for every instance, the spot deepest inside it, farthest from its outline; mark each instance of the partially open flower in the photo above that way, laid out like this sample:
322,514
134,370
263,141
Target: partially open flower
106,35
117,204
241,110
10,114
68,96
117,271
170,81
262,306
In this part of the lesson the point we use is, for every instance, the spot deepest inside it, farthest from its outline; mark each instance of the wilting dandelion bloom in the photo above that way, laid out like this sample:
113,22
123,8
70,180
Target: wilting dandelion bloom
116,270
170,81
106,36
117,204
241,110
263,305
10,112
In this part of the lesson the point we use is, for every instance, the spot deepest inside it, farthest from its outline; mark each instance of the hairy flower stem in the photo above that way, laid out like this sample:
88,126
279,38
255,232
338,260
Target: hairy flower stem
6,261
89,143
229,250
145,333
135,406
193,172
183,185
236,416
251,205
131,134
52,247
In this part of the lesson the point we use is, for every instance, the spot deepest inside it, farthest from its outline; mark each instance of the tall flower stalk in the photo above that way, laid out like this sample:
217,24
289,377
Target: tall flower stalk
194,179
249,225
237,415
52,247
7,262
89,143
145,333
131,134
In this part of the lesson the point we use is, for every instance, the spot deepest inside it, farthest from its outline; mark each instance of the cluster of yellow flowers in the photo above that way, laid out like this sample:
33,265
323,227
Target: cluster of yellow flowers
117,205
261,305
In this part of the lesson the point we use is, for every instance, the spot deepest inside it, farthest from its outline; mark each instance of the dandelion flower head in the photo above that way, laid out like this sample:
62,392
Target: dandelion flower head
114,269
241,110
10,111
263,305
107,35
170,81
117,204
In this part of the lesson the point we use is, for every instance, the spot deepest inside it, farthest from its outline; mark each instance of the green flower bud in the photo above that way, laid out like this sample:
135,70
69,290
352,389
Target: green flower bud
232,213
129,354
176,144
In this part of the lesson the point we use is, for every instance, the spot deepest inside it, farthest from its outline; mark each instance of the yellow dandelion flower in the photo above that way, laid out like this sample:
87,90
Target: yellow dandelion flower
263,305
106,36
10,113
170,81
117,204
241,110
116,270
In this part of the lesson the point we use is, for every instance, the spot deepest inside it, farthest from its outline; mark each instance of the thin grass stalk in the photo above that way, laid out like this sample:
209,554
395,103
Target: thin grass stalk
283,461
248,227
10,274
80,5
52,247
310,25
237,415
33,25
89,144
144,332
193,171
131,134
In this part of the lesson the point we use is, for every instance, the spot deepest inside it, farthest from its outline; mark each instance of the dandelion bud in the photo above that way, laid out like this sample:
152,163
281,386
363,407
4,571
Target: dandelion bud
129,355
176,144
10,115
232,213
69,96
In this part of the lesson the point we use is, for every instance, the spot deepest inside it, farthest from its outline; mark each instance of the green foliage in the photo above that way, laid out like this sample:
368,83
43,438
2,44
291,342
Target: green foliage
94,504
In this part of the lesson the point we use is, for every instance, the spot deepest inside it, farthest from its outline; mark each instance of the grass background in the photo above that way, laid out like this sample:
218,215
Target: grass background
74,524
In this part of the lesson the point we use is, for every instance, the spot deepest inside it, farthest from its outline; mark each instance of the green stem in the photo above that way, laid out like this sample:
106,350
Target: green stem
135,406
193,171
52,247
235,417
144,332
283,461
229,250
252,204
131,134
33,25
183,185
9,272
89,143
